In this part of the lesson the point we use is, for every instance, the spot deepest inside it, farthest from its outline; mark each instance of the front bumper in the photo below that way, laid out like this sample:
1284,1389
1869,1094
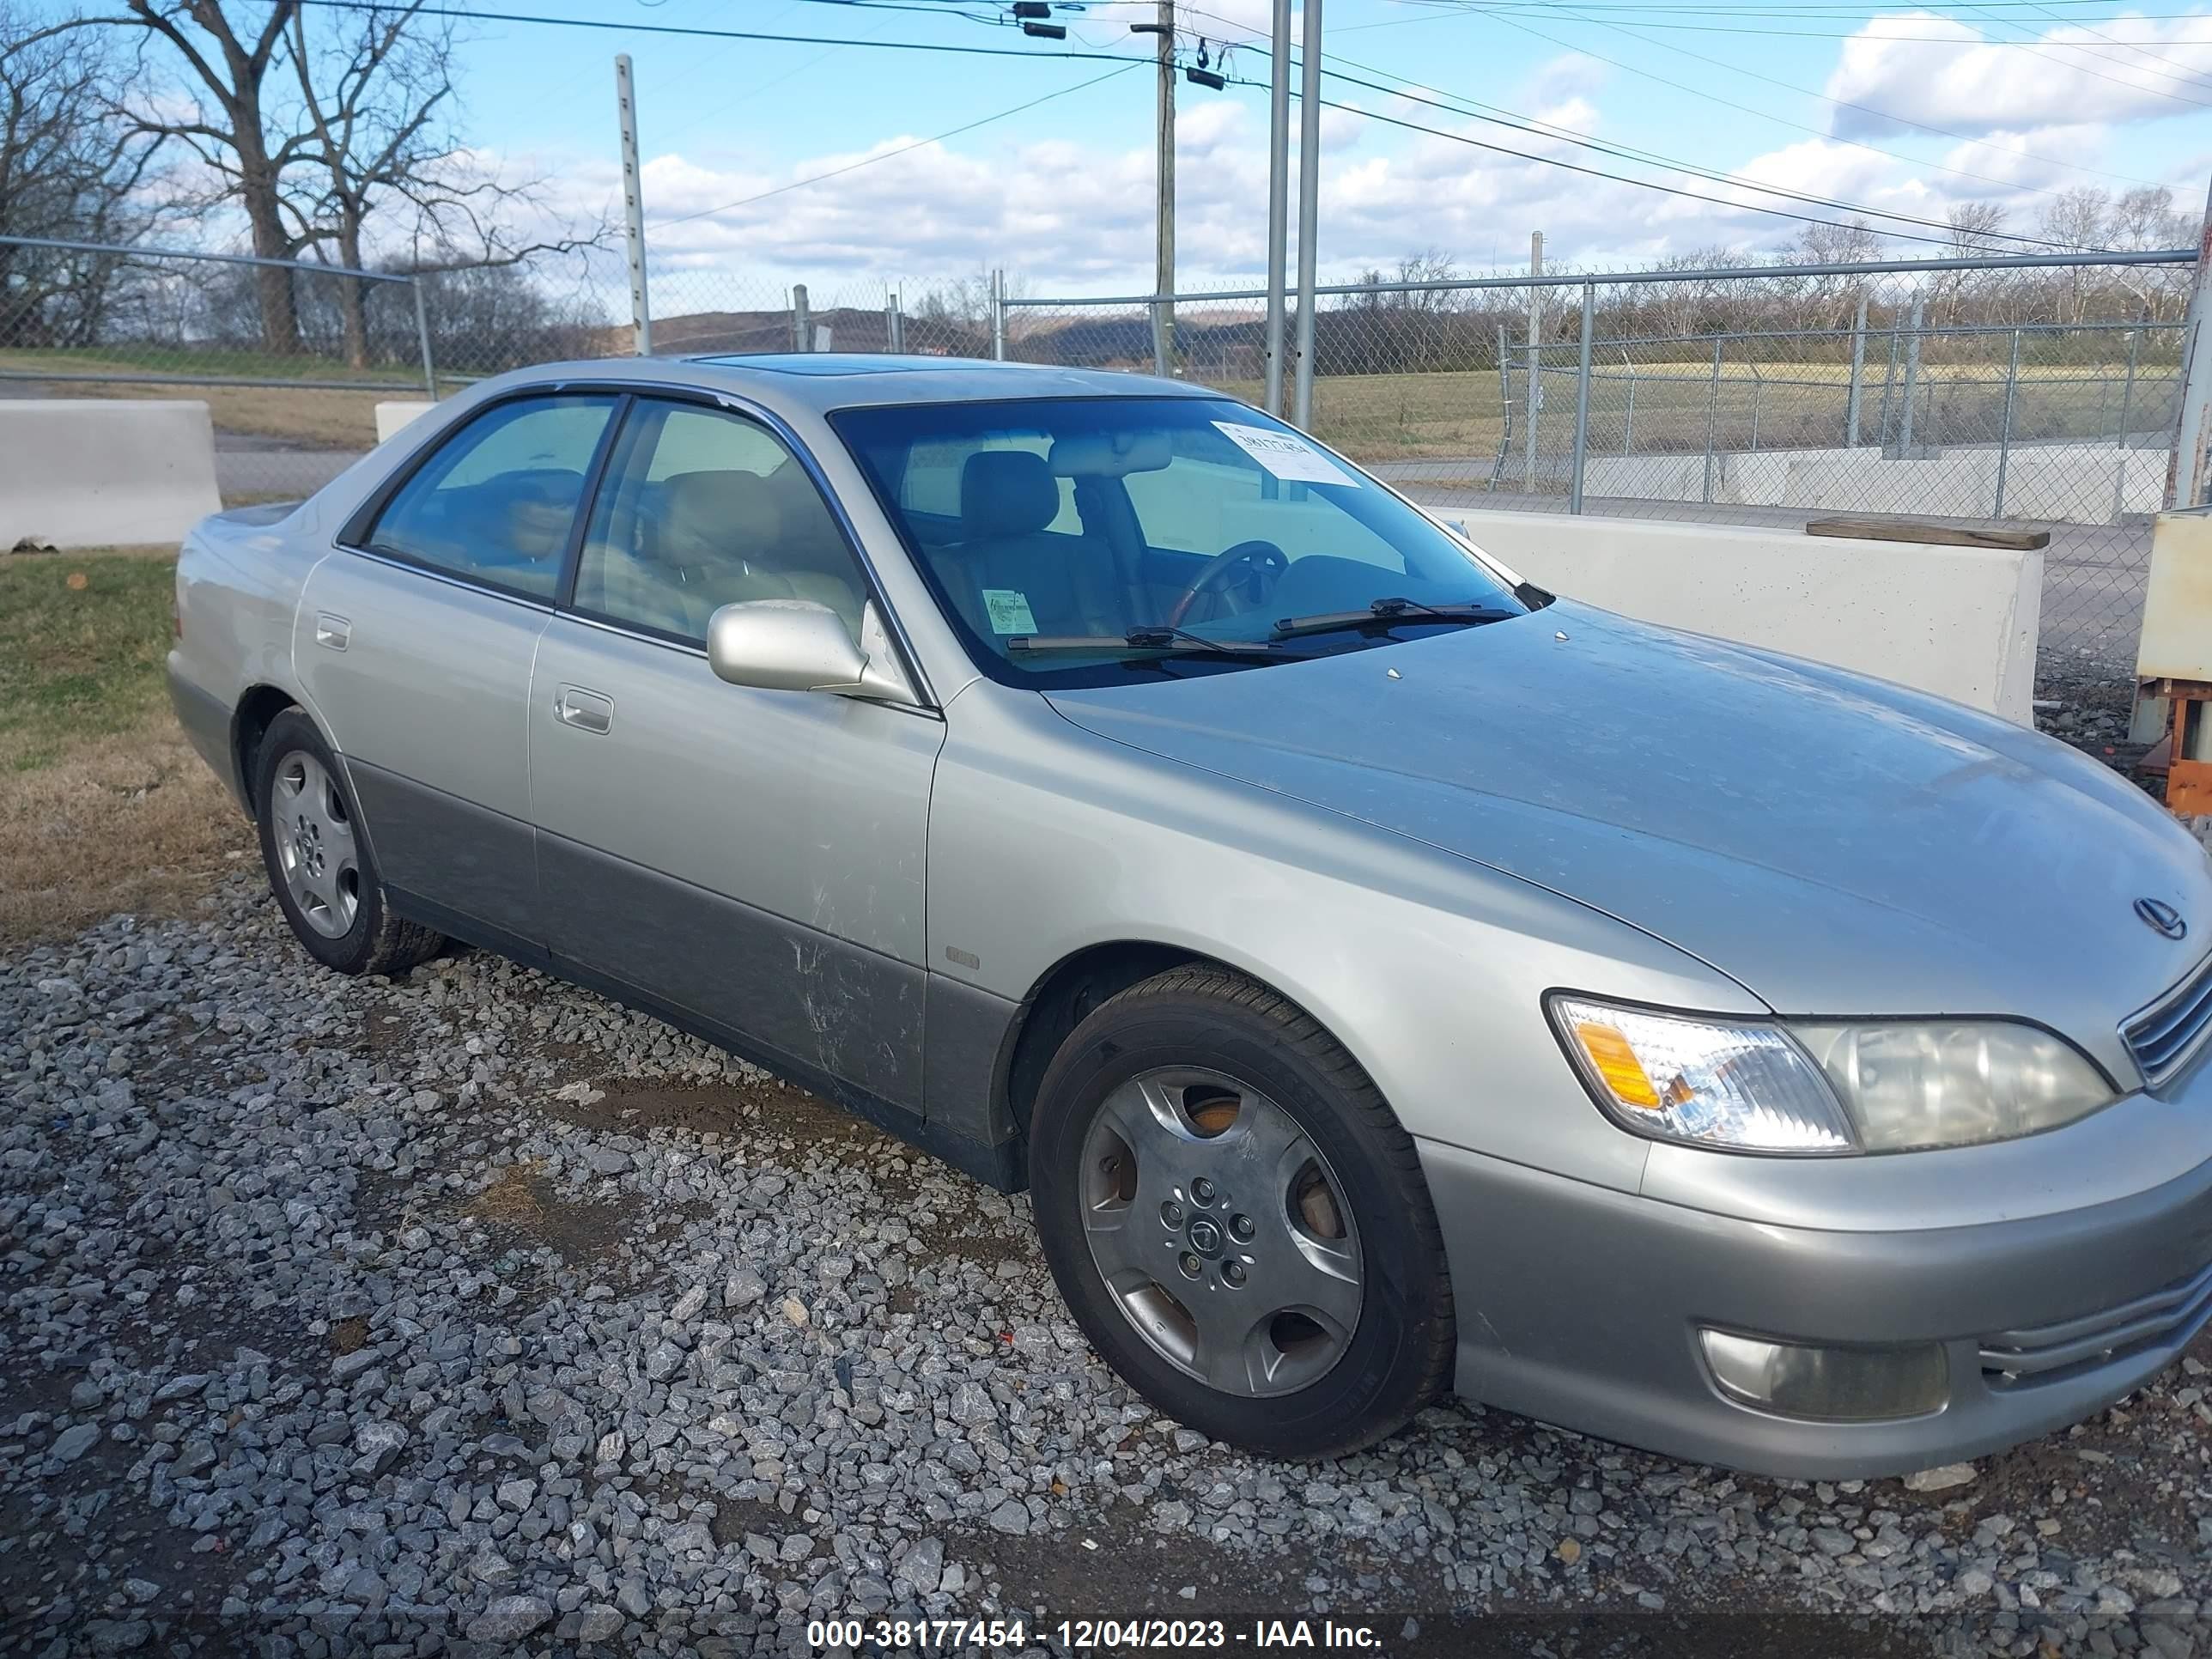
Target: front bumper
1580,1305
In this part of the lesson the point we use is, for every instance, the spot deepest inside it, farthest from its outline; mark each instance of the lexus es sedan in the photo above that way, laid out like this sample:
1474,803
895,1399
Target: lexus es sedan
1385,976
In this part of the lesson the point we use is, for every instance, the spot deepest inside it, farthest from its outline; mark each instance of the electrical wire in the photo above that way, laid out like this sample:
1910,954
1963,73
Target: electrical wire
1494,11
1599,173
903,150
473,14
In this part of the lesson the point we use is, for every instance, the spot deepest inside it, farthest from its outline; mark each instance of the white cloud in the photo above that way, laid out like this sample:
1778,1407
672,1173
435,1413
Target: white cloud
1919,66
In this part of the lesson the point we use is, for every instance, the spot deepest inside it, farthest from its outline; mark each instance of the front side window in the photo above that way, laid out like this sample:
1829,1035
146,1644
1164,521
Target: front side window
703,508
497,501
1153,527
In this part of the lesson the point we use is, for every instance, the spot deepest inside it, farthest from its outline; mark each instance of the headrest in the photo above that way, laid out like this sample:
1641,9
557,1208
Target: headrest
1006,492
1110,454
720,512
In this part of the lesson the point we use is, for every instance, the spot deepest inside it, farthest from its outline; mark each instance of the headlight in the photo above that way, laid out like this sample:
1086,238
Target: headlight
1943,1085
1874,1087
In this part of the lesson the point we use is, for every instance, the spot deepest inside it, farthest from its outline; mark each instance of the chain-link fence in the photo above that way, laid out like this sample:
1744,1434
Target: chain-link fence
292,357
2039,391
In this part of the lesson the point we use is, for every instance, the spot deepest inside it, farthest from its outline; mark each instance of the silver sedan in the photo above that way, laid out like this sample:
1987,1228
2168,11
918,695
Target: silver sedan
1385,976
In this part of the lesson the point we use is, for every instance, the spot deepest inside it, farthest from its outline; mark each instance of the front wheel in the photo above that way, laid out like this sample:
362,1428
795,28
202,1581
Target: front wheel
318,862
1237,1220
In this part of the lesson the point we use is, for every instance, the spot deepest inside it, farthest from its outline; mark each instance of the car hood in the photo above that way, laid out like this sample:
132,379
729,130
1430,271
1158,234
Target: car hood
1834,844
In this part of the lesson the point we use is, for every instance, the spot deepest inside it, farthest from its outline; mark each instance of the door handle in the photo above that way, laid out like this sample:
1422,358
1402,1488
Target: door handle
588,711
336,632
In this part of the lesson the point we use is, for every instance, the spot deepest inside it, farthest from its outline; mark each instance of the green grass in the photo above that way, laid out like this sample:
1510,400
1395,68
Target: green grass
242,364
79,663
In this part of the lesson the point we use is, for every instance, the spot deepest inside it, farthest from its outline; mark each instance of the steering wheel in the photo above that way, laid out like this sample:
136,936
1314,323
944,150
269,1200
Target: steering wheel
1262,556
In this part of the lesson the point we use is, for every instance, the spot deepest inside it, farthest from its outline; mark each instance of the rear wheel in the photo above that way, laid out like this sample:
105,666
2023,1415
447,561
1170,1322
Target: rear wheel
1237,1220
318,863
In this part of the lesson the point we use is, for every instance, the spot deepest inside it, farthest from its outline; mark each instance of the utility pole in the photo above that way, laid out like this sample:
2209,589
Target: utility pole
1164,257
1279,200
1309,202
633,204
1535,359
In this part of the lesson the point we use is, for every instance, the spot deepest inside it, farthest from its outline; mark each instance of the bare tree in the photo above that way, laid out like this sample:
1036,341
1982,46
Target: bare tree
69,170
377,94
222,65
1973,234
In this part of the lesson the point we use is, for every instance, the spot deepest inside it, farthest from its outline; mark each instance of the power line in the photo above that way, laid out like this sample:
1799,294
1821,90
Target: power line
2044,45
1600,173
1566,15
1553,130
470,14
903,150
1694,92
1653,158
1493,11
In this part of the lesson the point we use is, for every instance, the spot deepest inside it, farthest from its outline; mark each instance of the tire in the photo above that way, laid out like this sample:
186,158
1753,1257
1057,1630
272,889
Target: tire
319,864
1265,1157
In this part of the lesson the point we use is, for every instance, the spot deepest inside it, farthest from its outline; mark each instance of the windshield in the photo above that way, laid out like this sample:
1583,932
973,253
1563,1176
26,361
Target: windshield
1053,531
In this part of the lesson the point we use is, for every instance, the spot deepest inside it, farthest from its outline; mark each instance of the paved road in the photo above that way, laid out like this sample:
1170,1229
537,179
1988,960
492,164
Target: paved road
250,467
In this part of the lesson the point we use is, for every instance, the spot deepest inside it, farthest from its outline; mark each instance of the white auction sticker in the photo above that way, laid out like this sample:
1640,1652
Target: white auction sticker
1284,454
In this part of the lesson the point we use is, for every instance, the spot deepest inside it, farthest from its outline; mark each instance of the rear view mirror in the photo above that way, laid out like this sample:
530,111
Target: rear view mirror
797,645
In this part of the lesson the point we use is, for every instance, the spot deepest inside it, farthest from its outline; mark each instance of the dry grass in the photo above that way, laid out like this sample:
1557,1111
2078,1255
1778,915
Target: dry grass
1460,414
299,414
511,1200
103,805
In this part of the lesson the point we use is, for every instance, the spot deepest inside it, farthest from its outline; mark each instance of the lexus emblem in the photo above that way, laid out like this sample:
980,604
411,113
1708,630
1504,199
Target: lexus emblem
2158,914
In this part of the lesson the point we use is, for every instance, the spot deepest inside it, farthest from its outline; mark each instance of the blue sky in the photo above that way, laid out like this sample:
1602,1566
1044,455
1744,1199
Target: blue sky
1061,194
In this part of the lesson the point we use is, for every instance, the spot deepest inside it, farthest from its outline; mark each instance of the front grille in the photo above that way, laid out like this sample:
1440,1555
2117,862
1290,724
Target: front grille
2044,1353
2166,1035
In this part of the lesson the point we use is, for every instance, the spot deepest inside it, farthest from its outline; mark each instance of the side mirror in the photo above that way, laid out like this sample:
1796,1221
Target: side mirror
797,645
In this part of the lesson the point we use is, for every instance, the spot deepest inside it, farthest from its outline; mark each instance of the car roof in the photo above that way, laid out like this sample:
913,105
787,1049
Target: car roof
822,382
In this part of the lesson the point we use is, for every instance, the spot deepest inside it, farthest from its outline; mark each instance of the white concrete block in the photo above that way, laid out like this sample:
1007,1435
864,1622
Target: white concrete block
96,472
394,416
1960,621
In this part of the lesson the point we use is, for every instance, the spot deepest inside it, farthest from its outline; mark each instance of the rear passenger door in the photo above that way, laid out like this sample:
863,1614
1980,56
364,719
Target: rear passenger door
413,643
750,861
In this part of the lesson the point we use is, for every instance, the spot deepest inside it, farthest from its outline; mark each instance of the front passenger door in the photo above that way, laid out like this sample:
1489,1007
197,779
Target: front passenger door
752,860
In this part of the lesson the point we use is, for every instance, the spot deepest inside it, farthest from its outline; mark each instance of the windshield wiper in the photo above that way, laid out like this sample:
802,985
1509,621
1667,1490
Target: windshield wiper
1173,641
1389,613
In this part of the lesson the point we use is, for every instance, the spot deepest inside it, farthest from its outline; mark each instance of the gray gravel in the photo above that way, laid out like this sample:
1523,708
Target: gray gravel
369,1317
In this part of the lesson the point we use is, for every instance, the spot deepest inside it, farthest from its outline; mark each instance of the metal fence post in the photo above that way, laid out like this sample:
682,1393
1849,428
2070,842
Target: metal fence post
1758,385
1628,421
633,205
1712,415
998,316
1582,402
2127,402
2004,430
1858,365
1889,388
1911,382
423,338
1504,412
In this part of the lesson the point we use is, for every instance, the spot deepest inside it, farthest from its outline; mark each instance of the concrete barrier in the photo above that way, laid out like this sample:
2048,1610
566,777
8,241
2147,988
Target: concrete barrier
396,415
1957,621
95,472
2067,484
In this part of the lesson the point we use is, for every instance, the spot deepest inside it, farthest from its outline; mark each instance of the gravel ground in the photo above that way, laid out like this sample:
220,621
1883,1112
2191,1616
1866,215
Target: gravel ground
470,1310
